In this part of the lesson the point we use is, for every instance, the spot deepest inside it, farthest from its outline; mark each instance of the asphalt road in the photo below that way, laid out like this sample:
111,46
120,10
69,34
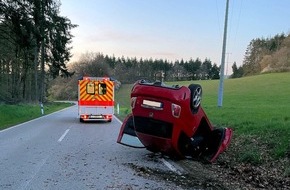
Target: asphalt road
58,152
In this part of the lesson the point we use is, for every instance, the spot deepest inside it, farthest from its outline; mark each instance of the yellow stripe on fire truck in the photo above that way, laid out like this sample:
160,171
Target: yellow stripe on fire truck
106,97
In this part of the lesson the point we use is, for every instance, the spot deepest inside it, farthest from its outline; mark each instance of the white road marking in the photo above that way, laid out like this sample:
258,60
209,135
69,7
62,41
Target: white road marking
118,120
33,175
62,137
170,166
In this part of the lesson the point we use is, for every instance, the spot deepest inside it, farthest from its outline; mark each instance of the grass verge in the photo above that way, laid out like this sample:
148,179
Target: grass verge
14,114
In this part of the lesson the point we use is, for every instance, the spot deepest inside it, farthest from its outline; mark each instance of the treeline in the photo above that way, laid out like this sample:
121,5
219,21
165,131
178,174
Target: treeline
34,48
265,55
129,70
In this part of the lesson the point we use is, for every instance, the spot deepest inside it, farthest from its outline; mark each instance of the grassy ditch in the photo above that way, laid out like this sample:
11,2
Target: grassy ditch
257,108
14,114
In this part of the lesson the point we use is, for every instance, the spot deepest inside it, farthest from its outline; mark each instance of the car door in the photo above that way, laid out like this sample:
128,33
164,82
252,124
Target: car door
224,142
217,142
127,135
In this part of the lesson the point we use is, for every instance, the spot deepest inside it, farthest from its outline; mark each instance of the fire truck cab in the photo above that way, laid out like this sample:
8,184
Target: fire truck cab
95,99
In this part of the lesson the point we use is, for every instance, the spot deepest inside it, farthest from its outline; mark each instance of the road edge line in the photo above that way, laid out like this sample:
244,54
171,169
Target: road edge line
118,119
35,119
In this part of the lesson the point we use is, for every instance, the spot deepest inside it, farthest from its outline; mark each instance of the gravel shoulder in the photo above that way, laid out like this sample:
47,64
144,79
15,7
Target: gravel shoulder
224,174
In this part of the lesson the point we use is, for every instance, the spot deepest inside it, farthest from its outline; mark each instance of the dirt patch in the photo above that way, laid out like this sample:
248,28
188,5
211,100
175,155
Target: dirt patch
268,175
264,172
185,181
224,174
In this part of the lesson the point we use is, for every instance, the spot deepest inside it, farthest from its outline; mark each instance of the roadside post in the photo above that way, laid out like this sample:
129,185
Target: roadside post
41,108
118,108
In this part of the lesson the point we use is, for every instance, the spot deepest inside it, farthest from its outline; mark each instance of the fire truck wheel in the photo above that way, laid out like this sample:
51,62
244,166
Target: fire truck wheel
195,97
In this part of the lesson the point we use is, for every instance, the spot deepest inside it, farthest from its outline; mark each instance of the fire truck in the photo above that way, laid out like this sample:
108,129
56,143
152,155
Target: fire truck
95,99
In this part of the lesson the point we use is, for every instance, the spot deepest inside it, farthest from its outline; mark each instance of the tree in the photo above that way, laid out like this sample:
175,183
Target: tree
192,67
259,52
34,29
59,37
204,70
237,72
214,72
92,65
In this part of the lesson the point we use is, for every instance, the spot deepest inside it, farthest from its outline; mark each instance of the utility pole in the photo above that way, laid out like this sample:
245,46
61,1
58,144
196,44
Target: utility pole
221,85
227,68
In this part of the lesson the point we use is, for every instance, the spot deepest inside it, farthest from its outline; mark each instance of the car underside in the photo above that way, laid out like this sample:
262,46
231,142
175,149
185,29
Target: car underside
171,120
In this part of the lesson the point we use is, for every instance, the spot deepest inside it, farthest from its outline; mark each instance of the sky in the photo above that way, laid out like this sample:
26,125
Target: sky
173,29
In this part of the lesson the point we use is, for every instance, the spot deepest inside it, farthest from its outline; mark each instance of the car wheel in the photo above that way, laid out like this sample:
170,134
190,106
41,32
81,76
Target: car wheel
195,97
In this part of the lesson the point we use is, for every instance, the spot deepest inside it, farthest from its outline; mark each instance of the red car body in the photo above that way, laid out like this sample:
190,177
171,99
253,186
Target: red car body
170,120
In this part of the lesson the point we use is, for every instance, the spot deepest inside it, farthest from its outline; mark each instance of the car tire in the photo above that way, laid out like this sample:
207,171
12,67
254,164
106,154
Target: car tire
195,97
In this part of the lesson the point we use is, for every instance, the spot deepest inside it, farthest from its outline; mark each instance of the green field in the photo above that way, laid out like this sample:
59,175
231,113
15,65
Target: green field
14,114
256,107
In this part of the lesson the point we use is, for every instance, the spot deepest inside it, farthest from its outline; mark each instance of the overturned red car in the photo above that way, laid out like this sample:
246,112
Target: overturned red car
171,120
